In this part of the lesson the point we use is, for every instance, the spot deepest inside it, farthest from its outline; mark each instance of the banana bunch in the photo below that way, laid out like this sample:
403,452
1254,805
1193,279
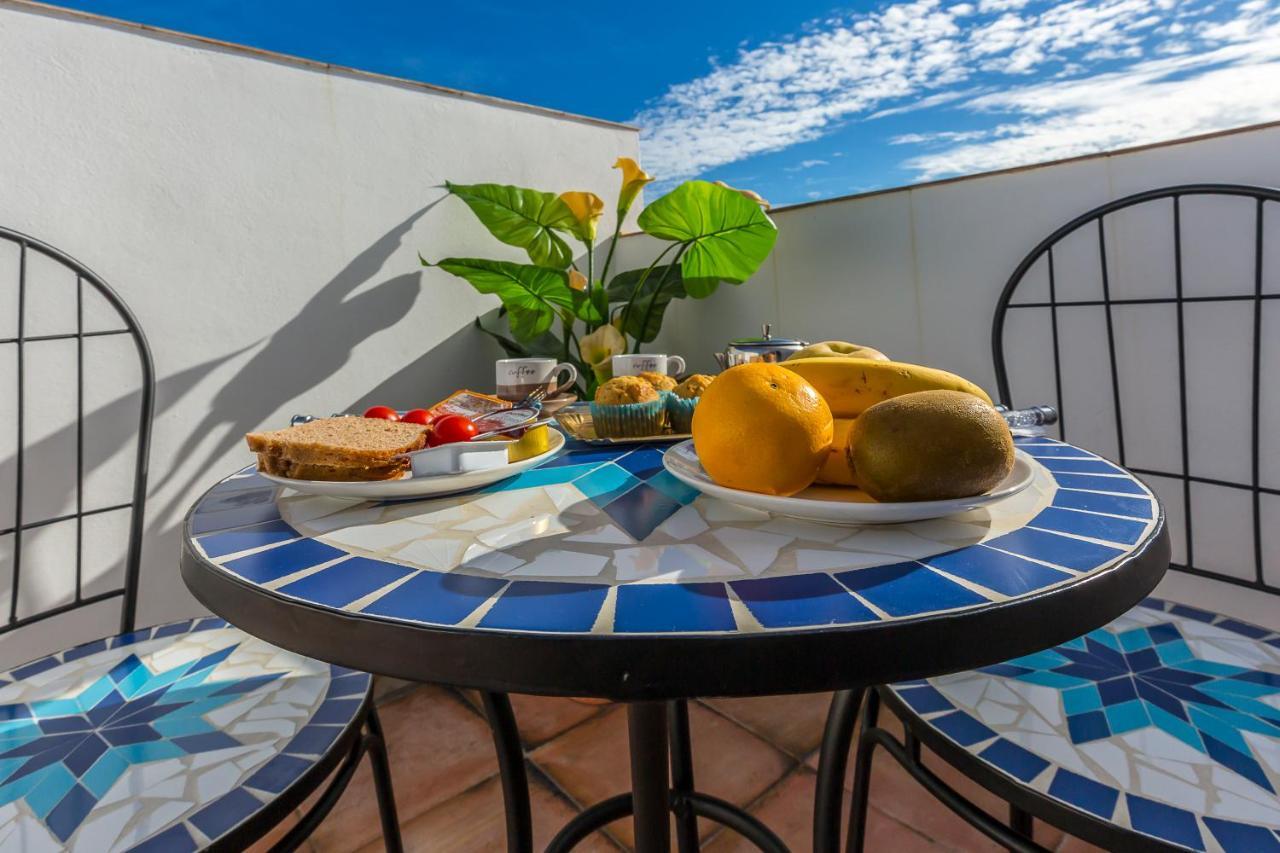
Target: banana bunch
852,385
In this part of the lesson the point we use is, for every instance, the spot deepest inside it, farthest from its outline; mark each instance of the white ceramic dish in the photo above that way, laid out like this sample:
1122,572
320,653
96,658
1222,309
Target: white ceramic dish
421,487
832,505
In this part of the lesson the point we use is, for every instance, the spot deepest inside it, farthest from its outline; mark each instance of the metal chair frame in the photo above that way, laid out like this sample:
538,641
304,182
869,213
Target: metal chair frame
363,736
1025,804
1260,196
128,592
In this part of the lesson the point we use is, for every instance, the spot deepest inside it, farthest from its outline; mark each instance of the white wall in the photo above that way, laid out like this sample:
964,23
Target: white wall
262,219
916,272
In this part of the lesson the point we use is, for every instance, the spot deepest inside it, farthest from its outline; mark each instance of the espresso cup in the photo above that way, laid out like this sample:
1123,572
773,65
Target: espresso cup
516,378
644,362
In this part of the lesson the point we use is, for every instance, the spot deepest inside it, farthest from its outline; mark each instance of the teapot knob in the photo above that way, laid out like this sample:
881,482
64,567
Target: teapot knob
765,329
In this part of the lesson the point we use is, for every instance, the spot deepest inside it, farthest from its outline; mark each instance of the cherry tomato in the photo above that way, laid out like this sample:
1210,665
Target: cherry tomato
451,428
386,413
418,416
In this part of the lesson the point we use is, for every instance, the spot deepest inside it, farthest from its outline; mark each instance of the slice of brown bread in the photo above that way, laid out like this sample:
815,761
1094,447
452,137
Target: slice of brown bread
282,467
341,442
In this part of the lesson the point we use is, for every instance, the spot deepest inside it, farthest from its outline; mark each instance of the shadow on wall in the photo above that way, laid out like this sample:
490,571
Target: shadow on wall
307,350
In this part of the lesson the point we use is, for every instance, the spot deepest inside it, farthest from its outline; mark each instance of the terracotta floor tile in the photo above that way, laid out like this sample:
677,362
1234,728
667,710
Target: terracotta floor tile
590,762
887,834
787,810
791,723
439,748
540,718
473,821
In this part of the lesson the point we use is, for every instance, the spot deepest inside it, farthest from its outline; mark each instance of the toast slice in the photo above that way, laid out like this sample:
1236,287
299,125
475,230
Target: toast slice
340,442
281,467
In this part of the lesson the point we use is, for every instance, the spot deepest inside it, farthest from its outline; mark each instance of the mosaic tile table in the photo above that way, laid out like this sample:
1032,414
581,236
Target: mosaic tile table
598,573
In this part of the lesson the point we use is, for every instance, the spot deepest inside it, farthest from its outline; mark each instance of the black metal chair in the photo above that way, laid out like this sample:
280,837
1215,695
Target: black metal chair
182,736
1162,729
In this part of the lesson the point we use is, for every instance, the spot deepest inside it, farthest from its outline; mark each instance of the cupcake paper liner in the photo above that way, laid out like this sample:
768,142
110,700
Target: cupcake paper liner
628,420
681,412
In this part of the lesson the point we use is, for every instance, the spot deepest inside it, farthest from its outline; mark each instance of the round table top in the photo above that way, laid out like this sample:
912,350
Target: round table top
599,574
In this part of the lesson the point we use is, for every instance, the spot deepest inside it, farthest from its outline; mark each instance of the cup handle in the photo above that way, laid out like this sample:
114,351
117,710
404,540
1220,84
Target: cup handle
568,383
672,368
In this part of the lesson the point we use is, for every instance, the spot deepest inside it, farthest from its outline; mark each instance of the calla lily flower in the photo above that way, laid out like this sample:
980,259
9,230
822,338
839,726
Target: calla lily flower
598,349
750,195
577,280
586,209
633,180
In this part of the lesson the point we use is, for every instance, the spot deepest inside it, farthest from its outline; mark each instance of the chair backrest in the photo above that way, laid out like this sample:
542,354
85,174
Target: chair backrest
29,469
1148,321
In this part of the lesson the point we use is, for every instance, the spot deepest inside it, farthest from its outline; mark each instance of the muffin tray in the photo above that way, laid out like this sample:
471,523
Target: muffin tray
577,422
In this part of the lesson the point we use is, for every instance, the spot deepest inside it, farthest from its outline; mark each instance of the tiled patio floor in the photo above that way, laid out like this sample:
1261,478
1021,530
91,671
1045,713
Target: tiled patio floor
757,753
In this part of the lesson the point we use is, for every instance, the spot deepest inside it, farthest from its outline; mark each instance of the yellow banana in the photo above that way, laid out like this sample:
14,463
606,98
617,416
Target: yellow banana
852,385
836,470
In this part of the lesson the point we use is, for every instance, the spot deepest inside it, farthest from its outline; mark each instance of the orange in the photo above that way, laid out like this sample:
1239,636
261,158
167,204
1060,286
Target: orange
762,428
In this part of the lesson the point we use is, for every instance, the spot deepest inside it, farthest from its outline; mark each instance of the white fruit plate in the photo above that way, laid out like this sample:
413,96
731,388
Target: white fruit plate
836,505
422,487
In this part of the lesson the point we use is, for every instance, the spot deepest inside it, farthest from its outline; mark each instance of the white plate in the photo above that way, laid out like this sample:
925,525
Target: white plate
836,505
420,487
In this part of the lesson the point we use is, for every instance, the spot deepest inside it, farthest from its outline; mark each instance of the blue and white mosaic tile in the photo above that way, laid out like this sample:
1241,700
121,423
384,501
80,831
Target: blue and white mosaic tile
163,739
604,540
1166,721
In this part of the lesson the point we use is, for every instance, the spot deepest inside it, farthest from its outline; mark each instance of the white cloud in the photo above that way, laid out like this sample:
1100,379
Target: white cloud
939,136
1066,119
807,164
1170,70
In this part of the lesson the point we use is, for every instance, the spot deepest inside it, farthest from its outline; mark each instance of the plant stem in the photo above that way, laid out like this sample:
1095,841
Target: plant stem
635,291
591,249
654,298
613,244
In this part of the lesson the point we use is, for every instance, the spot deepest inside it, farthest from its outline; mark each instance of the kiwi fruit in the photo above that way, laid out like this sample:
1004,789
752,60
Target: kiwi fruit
928,446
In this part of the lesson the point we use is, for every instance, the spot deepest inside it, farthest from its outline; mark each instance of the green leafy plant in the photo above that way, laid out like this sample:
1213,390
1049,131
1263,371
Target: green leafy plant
557,305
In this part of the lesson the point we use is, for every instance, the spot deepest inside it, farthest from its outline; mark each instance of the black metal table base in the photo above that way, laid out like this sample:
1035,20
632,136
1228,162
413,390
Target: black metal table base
661,786
653,798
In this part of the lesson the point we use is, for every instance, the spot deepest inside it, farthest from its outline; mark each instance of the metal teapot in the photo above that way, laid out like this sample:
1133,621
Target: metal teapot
764,348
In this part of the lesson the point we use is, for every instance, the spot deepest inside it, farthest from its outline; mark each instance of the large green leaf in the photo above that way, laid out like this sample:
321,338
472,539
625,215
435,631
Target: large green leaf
727,235
533,296
494,324
644,319
522,218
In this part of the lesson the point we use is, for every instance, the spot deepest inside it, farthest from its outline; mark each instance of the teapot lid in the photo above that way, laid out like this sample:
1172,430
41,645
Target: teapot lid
766,340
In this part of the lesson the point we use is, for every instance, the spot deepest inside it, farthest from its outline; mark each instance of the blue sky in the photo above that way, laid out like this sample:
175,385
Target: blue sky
807,99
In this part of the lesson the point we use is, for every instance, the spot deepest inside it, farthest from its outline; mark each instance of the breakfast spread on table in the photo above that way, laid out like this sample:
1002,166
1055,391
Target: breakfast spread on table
785,415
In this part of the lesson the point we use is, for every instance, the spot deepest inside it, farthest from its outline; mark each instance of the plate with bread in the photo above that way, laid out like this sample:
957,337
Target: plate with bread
374,458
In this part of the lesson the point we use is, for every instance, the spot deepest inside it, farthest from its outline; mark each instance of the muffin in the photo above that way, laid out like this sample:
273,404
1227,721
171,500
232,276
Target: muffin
660,381
683,399
627,407
693,387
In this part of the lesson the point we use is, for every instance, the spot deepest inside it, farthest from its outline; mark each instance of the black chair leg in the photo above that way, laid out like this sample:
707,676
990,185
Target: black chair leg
376,746
833,760
861,795
1021,822
682,776
515,782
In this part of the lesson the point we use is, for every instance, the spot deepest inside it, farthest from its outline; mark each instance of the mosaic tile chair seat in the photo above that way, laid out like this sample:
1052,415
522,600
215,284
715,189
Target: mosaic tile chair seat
1160,730
183,736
